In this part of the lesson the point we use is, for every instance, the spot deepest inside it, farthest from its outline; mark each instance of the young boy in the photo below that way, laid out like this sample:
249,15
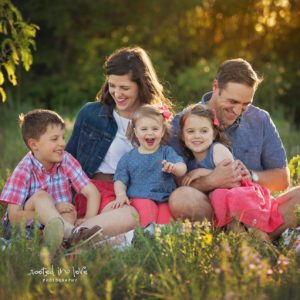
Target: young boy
40,184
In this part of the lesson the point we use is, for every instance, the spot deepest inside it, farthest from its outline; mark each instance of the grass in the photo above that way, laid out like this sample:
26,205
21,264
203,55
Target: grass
181,261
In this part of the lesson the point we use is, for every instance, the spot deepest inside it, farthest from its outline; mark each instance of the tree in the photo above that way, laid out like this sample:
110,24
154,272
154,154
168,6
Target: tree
17,42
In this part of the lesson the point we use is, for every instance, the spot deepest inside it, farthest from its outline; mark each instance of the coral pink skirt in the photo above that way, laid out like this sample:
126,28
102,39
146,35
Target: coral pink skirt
251,204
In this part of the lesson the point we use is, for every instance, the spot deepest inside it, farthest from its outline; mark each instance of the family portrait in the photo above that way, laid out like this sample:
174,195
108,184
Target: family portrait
150,157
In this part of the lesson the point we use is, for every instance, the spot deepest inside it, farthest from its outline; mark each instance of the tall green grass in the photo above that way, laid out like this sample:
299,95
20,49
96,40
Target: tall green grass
181,261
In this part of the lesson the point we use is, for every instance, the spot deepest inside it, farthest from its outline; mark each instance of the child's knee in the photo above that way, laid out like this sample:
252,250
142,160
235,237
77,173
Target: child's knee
40,196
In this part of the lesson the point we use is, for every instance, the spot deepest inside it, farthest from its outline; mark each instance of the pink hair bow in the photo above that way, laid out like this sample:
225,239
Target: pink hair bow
216,121
167,115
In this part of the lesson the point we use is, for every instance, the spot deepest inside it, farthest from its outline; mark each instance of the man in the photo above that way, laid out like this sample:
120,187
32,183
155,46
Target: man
256,146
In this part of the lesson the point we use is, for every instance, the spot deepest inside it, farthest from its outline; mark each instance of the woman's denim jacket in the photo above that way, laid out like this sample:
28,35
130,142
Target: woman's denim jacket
94,130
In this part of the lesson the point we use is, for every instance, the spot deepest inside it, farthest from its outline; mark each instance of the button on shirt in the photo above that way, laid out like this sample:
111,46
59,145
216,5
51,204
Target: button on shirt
30,176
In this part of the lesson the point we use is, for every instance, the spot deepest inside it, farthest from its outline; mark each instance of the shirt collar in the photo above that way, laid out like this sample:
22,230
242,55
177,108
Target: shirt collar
38,165
207,96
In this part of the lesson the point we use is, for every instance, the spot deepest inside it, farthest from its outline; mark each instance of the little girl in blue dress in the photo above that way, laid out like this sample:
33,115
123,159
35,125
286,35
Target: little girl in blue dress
145,176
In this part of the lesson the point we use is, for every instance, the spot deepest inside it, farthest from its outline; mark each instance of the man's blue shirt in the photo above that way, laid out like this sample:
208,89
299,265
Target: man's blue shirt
254,139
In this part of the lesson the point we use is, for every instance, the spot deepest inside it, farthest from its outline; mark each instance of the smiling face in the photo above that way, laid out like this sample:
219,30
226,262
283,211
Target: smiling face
198,135
124,92
231,101
49,148
149,132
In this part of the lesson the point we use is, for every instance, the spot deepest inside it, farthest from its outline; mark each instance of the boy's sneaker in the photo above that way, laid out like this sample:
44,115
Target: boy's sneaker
83,236
53,235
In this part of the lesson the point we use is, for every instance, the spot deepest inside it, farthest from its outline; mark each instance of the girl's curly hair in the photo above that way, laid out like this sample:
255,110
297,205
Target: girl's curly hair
150,111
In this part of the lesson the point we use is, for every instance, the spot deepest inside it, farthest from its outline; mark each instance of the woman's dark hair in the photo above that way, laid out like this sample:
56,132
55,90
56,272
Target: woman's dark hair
136,63
201,111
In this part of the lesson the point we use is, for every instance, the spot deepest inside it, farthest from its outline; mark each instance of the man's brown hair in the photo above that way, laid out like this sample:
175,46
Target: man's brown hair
237,70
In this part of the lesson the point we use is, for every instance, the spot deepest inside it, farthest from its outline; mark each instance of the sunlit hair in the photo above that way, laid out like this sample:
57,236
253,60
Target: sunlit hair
35,123
148,111
237,70
201,111
136,63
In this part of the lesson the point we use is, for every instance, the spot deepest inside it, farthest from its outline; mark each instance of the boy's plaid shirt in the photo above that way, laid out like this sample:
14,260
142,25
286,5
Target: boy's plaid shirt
30,176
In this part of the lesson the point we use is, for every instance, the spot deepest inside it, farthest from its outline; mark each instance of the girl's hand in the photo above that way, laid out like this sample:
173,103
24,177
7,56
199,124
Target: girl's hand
193,175
64,207
168,167
120,201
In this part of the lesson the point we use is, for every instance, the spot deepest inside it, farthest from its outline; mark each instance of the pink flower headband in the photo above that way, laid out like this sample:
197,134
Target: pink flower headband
216,121
164,110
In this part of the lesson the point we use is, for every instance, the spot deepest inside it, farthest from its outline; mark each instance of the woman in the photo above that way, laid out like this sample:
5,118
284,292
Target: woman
99,137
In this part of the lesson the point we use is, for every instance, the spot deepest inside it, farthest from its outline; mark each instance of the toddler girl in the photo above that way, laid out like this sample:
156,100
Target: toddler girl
204,144
145,176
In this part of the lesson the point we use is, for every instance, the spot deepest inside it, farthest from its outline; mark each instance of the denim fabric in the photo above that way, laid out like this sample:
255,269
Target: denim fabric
254,139
93,133
206,163
143,176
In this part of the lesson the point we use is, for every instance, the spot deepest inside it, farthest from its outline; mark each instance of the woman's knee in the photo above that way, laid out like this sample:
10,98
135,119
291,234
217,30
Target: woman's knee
133,218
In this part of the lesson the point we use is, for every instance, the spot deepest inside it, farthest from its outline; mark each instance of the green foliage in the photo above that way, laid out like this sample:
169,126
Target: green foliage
181,38
16,43
182,261
195,80
294,166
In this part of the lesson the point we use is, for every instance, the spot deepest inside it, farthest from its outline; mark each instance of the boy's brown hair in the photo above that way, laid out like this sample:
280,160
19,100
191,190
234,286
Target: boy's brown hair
34,123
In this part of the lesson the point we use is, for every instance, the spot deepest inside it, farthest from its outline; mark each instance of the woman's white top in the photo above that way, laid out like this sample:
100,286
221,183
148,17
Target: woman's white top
119,146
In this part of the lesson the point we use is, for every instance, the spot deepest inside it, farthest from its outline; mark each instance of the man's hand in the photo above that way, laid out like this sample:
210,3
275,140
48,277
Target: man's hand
227,174
244,171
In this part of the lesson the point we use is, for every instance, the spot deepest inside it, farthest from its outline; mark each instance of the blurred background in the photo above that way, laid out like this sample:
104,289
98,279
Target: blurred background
186,40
